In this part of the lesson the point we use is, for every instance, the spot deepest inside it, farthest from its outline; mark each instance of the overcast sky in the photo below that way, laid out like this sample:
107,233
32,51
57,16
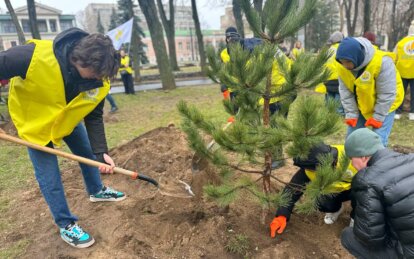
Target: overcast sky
209,10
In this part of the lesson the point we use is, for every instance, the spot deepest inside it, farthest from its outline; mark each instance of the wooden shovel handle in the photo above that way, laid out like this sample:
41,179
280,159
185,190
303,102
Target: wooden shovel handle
4,136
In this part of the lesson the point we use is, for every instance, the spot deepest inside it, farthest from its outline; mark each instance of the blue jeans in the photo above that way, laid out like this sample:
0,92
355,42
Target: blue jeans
48,175
111,100
384,132
336,97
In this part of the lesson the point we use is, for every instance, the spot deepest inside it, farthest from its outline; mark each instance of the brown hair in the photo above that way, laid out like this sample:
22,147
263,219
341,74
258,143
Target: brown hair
96,51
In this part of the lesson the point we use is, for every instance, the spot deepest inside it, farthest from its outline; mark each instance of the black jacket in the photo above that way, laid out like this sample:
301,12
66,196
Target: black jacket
15,62
384,196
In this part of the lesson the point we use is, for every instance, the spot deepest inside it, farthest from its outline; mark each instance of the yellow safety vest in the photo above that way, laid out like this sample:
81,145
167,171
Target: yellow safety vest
277,81
331,66
405,57
365,85
343,185
277,78
125,62
296,52
37,103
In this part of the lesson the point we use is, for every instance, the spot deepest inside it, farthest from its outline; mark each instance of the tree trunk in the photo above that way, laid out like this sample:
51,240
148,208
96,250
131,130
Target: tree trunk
170,32
393,34
199,37
136,41
238,17
341,14
31,7
367,15
16,23
150,12
348,13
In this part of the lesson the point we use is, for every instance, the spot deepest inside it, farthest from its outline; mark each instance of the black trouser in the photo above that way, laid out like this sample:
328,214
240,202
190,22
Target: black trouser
360,250
326,203
128,83
406,82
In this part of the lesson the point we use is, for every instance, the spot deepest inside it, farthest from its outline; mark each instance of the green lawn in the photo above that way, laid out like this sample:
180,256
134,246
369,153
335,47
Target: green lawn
137,114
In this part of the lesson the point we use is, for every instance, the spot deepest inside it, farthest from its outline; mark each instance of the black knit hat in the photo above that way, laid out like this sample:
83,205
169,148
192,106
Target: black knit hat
232,33
312,161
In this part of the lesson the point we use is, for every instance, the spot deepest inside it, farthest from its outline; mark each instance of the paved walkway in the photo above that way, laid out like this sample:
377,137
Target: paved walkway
157,85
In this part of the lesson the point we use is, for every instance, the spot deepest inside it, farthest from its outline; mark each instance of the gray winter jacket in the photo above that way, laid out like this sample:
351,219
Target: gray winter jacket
384,198
386,86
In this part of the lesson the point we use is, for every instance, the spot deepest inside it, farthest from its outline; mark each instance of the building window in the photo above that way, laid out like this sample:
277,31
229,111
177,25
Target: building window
8,27
52,24
26,26
180,45
13,43
41,25
64,25
188,45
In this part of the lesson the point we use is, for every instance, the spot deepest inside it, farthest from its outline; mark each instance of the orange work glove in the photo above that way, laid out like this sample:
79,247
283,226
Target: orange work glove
226,95
278,223
231,119
373,123
352,122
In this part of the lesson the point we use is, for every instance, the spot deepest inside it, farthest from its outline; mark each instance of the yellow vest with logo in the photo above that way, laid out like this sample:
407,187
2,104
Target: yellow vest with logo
365,85
125,62
37,103
331,66
405,57
343,185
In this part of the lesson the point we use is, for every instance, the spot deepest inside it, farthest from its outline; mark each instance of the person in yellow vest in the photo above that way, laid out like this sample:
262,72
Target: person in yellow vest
54,86
330,87
369,85
405,65
232,36
297,50
125,70
331,204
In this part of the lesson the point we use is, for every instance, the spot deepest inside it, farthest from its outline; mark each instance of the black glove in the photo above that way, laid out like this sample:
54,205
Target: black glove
100,158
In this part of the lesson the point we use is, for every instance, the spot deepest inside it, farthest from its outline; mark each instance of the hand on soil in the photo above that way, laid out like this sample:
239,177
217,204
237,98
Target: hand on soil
279,224
109,168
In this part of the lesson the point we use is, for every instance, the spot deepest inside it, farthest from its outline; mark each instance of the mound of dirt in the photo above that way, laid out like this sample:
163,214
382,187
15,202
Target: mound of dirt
151,225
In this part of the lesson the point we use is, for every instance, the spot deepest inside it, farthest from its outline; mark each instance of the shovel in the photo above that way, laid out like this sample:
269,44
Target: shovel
133,175
198,162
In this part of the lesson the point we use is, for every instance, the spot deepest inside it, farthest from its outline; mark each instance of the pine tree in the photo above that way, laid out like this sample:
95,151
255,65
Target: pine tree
99,26
114,20
125,13
255,136
322,25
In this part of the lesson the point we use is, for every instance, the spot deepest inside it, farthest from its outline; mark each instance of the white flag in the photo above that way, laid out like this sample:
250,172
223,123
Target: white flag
121,34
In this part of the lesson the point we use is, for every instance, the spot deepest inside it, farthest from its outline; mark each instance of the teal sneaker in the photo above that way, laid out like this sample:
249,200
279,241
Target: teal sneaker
107,194
75,236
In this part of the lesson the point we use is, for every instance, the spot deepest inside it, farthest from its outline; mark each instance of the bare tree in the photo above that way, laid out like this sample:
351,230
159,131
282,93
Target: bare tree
238,17
341,14
169,31
199,36
149,9
31,7
401,16
351,23
16,23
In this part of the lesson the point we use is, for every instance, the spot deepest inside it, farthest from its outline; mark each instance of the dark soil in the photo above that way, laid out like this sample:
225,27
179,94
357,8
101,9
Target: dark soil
151,225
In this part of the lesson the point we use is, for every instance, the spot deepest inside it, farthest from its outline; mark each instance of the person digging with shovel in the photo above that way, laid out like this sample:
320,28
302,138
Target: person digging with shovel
54,86
331,204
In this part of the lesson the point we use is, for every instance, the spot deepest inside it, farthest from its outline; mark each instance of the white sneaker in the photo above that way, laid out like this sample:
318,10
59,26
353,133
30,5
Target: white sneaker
330,218
411,116
397,116
351,223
